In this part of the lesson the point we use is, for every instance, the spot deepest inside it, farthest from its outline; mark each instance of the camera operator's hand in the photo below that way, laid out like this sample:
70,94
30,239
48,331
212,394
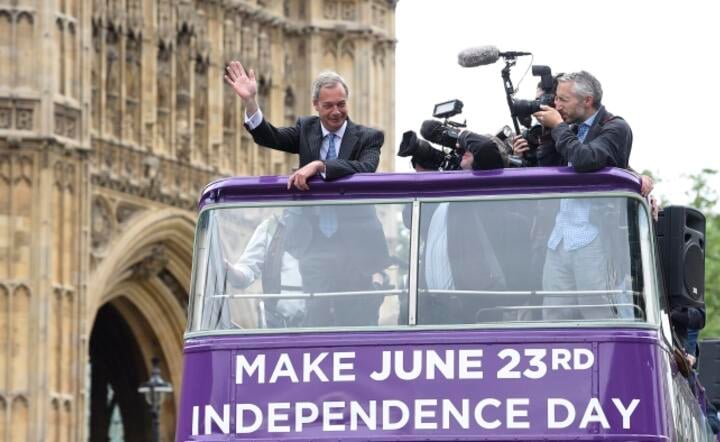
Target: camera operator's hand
549,116
520,145
646,185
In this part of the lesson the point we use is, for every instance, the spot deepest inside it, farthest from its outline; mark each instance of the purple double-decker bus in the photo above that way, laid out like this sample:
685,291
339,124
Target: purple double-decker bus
509,305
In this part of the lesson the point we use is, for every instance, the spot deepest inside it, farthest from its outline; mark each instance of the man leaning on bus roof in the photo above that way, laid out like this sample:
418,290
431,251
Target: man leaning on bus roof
575,256
586,135
328,144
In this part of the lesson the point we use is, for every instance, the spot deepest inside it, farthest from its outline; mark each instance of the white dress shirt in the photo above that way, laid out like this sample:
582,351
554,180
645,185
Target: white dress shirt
438,274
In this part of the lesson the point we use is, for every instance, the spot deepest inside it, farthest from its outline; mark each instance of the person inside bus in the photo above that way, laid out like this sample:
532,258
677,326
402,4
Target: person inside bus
299,252
340,249
687,321
329,144
457,253
265,258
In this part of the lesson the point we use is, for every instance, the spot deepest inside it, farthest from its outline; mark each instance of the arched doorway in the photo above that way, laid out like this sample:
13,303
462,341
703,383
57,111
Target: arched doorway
139,304
117,411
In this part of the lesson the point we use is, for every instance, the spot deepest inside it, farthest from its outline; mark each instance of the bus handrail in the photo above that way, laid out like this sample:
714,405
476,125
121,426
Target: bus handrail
634,307
536,293
299,295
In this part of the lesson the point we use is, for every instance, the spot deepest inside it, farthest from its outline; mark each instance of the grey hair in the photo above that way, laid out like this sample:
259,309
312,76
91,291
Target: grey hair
328,79
586,85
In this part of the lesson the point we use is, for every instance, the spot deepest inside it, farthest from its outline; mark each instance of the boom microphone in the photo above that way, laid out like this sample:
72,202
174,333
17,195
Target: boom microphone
482,55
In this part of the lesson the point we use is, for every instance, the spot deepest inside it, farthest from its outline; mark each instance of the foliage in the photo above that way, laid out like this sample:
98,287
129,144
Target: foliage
705,198
712,276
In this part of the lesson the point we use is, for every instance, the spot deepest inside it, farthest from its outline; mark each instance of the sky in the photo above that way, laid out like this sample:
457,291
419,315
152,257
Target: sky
658,62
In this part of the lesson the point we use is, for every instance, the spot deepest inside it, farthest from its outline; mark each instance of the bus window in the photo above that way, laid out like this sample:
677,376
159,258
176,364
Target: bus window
299,266
499,261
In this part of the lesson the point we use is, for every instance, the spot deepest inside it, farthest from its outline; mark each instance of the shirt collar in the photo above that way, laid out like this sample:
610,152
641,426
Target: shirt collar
589,121
338,133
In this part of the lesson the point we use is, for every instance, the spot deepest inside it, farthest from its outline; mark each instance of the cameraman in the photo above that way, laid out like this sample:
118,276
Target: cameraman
470,151
479,152
586,136
457,253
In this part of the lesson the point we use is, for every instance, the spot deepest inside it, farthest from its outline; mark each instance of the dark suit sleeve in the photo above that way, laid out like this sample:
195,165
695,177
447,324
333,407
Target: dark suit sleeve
286,139
610,148
364,160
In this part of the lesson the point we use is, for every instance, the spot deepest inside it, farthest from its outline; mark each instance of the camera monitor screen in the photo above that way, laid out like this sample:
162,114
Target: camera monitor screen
448,108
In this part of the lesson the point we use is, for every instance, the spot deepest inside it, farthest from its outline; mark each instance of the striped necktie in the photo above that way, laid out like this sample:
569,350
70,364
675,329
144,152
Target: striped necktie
331,153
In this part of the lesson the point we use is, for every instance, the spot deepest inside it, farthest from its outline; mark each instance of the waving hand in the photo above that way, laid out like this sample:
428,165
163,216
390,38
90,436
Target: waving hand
244,84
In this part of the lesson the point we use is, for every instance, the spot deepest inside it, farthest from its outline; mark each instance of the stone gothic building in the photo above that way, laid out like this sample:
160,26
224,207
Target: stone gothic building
113,116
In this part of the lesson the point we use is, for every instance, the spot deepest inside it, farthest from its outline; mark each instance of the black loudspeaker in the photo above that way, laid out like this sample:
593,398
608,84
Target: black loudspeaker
709,369
681,238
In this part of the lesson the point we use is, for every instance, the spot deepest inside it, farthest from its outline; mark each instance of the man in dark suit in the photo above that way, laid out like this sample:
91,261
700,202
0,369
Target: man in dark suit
329,144
347,254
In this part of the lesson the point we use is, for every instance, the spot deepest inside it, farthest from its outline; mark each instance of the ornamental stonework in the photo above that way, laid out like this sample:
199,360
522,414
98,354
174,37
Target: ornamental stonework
102,224
330,9
18,114
349,11
107,138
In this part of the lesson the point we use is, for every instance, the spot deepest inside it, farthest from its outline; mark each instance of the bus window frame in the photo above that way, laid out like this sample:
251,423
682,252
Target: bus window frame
197,305
652,290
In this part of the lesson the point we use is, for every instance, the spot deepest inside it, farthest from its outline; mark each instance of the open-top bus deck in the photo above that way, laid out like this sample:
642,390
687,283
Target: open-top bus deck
425,307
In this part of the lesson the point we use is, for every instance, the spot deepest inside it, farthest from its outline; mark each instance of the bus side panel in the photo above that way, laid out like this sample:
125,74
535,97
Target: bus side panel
630,364
686,418
207,379
471,385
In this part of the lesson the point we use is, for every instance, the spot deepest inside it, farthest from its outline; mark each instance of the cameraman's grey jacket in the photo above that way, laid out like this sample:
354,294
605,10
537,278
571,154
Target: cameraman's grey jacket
607,144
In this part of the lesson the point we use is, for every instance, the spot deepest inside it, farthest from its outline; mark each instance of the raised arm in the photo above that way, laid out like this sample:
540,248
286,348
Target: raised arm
244,85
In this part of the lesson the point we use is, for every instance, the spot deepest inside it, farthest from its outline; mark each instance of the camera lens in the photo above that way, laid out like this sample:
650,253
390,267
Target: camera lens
523,108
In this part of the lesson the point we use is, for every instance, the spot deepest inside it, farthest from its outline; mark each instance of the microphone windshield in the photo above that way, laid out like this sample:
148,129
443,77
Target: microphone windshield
431,129
434,131
478,56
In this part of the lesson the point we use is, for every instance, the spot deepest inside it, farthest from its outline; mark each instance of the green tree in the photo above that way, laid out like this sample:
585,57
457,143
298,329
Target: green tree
705,198
712,276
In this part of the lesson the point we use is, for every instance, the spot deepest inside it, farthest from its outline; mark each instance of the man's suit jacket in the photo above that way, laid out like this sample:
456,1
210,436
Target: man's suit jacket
359,151
343,262
607,144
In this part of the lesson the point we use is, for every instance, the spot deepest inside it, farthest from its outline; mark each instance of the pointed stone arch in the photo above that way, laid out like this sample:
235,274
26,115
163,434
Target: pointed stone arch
134,304
173,228
123,271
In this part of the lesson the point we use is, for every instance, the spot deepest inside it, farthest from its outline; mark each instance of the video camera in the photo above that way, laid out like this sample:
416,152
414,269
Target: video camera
444,133
488,151
525,108
426,156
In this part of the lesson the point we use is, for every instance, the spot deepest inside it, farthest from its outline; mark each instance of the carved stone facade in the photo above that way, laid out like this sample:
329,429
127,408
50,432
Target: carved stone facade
113,116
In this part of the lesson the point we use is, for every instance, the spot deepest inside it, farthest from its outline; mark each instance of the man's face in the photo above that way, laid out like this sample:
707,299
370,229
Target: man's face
331,106
572,108
466,161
